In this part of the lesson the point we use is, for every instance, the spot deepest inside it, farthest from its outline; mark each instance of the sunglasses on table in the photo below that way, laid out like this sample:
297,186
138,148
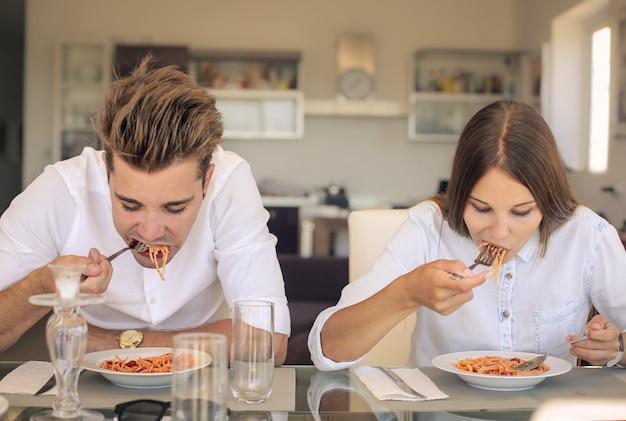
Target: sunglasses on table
141,410
153,410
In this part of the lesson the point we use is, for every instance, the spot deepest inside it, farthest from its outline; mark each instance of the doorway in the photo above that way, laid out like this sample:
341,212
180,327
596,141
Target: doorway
11,102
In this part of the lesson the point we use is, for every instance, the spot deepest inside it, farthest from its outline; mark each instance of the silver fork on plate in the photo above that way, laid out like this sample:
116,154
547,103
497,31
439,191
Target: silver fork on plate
400,383
537,361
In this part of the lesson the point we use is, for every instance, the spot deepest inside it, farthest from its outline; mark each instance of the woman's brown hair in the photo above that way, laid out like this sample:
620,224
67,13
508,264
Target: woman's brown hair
514,137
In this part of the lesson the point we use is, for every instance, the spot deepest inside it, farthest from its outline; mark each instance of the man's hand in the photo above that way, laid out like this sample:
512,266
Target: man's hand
99,273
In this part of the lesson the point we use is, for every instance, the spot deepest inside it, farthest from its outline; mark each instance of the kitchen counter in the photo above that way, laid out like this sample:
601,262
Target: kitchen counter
322,229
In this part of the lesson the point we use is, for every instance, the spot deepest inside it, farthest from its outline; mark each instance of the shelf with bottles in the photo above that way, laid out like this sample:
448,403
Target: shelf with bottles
449,86
81,77
257,92
481,72
234,70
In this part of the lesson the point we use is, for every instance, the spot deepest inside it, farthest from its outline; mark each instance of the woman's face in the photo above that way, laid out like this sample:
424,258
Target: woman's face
501,211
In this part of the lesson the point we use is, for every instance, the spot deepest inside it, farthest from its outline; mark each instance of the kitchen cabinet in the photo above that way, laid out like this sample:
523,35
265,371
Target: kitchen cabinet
257,92
81,77
261,114
450,86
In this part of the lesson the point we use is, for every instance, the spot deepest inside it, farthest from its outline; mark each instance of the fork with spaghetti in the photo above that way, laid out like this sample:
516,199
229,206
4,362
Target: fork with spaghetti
490,255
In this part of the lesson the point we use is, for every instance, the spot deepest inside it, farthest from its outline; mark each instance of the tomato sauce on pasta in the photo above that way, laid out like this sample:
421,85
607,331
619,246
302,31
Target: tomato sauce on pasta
497,366
156,364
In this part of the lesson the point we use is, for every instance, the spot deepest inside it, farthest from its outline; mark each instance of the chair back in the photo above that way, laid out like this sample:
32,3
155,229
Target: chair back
368,233
580,409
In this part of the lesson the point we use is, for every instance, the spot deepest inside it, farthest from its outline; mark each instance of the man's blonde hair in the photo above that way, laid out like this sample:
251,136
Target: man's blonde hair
154,118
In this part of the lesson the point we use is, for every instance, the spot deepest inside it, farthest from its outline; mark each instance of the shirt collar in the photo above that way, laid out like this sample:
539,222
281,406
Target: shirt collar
531,248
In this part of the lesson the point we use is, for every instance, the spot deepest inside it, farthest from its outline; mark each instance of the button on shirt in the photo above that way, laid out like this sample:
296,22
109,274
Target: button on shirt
536,302
229,254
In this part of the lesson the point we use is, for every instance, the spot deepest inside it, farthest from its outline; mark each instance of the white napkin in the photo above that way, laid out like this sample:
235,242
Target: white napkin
28,378
386,389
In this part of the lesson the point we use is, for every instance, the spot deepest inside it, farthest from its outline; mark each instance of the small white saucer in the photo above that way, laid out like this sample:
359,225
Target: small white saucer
4,405
52,300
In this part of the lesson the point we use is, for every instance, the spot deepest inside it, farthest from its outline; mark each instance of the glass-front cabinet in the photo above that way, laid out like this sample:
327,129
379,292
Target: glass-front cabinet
257,92
450,86
82,75
261,114
260,97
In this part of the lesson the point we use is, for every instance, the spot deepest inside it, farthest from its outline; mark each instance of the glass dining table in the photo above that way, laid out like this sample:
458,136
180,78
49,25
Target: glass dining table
304,393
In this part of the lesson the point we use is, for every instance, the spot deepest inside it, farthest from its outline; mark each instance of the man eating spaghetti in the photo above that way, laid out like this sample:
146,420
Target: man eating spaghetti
163,180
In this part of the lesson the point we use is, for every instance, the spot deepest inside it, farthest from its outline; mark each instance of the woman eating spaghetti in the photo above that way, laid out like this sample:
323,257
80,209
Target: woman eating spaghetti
163,180
557,260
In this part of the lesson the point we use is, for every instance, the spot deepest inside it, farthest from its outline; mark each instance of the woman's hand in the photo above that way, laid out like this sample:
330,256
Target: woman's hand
352,331
430,285
602,344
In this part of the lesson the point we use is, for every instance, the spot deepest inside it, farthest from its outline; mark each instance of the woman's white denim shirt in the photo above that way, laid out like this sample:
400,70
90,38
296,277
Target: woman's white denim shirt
532,306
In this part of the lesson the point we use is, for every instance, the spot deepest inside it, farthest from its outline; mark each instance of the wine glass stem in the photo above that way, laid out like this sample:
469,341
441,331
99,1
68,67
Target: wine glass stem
67,339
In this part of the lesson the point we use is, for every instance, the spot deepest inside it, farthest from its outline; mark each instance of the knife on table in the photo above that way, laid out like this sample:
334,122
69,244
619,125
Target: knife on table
49,385
400,383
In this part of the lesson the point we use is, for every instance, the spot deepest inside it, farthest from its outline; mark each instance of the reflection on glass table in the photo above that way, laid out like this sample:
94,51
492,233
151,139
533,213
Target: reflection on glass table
341,396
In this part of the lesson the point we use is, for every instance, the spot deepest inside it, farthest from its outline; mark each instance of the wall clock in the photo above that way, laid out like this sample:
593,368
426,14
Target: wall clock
355,83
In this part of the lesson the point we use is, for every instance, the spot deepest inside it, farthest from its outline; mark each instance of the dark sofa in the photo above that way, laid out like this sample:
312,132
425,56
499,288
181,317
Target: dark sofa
312,284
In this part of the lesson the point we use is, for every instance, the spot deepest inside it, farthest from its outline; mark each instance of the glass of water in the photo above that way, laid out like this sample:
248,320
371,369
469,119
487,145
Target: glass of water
252,354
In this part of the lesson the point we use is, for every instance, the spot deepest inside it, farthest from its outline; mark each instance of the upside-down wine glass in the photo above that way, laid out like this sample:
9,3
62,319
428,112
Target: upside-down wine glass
66,337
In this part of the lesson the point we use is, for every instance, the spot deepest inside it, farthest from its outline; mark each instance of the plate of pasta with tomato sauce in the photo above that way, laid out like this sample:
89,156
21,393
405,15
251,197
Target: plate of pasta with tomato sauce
495,370
140,367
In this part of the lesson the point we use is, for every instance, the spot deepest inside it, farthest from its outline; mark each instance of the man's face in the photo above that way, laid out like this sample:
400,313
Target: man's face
156,208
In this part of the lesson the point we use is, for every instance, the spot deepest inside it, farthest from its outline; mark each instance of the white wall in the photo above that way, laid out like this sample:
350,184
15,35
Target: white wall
370,156
589,187
533,19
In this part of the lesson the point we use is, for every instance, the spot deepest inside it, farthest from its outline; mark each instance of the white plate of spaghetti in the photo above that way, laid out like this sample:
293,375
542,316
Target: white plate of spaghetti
492,370
4,405
138,367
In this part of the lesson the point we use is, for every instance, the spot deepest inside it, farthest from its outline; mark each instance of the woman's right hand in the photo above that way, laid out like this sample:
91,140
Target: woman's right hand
430,285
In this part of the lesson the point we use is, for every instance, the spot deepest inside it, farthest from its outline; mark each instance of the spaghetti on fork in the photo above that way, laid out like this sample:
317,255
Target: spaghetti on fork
155,251
494,254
